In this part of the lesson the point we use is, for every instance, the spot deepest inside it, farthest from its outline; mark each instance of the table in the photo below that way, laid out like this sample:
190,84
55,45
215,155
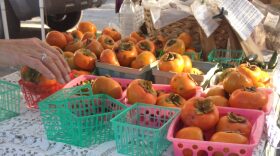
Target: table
24,135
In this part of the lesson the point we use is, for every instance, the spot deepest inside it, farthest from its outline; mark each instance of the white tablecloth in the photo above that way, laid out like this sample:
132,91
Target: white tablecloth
24,135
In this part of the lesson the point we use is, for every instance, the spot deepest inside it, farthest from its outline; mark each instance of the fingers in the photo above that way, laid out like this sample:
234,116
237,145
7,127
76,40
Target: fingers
55,65
54,62
58,54
39,66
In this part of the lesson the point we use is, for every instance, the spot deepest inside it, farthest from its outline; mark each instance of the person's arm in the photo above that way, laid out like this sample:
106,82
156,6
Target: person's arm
30,52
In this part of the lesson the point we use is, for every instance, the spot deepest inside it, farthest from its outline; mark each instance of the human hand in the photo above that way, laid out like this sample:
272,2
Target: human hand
37,55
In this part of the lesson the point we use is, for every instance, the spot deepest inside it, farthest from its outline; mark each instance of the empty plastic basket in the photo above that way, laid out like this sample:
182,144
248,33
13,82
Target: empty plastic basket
75,116
226,56
141,129
9,100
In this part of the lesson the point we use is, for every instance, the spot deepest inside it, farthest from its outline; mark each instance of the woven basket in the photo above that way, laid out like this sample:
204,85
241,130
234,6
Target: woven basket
218,40
172,30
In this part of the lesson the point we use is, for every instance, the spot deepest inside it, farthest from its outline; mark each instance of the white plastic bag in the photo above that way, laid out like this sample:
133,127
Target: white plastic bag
165,12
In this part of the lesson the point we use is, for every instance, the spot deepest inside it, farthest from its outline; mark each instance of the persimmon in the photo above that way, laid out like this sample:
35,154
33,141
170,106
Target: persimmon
43,81
77,34
144,59
186,38
106,85
225,74
109,56
73,46
216,90
68,36
29,74
94,46
183,85
77,73
234,123
171,62
171,100
85,59
130,39
248,98
89,35
145,45
187,64
235,80
253,72
191,133
87,26
229,137
56,38
112,33
69,57
189,50
141,91
200,112
159,42
126,53
219,100
106,41
175,45
137,35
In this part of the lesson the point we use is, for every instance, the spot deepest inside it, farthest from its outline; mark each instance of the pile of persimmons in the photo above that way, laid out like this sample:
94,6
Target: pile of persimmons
82,48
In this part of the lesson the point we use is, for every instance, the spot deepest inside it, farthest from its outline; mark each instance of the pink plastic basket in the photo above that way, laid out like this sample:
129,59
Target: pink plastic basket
183,146
268,91
166,89
123,82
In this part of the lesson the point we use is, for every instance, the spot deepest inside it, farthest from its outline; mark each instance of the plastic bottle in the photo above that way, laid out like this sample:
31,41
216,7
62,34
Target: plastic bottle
127,18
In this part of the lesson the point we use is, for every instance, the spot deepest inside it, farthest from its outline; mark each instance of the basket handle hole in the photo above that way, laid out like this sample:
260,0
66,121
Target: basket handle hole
202,153
187,151
242,151
226,150
217,154
180,145
194,146
210,148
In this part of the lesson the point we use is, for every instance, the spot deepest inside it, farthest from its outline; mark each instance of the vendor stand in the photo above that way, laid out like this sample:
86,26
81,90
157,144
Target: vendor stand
26,134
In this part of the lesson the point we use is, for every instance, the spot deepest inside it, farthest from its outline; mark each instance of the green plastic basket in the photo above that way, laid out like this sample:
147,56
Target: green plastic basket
226,56
141,129
75,116
9,100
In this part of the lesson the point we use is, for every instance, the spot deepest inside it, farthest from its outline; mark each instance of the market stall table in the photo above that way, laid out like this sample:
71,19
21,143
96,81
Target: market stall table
24,135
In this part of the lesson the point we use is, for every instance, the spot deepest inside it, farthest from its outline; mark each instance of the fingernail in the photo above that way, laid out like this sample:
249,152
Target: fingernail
61,81
52,76
68,78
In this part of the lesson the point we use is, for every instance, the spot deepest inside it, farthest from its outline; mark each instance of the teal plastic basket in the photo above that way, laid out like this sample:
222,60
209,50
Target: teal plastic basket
141,129
226,56
9,100
75,116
